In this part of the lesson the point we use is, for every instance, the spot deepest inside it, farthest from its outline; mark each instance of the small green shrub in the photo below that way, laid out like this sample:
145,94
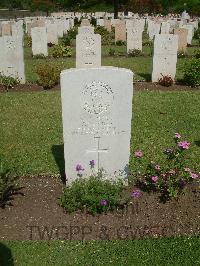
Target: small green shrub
8,82
65,40
197,54
76,22
148,43
169,179
72,33
181,54
106,36
192,72
61,51
112,52
7,185
94,21
48,75
166,81
134,53
39,56
27,41
120,43
197,34
95,194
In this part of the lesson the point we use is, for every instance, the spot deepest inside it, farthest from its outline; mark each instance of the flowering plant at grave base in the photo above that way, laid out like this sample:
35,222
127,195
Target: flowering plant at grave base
172,179
95,194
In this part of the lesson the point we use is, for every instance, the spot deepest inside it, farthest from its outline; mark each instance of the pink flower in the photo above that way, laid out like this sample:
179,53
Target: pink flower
157,167
194,176
138,154
154,178
177,136
184,145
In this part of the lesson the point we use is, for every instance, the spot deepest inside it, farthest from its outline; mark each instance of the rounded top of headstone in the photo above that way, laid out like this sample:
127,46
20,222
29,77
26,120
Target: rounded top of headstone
106,68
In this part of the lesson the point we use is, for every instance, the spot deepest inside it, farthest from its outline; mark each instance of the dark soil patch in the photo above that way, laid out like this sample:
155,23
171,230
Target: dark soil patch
137,86
35,215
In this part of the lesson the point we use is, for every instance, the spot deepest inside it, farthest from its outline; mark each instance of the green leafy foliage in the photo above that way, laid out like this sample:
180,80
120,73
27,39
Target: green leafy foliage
39,56
27,41
106,36
120,43
72,33
94,194
192,72
170,179
48,75
8,82
61,51
197,54
134,53
7,185
65,40
112,52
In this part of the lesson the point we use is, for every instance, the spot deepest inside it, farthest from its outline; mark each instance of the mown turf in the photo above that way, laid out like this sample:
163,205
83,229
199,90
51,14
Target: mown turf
182,251
141,65
31,128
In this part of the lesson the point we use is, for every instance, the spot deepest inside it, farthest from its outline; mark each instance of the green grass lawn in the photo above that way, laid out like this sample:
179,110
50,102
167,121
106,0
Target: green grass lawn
182,251
142,66
31,127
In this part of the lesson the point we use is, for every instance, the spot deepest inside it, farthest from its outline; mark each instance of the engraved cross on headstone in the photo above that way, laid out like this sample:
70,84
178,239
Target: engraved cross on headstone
98,151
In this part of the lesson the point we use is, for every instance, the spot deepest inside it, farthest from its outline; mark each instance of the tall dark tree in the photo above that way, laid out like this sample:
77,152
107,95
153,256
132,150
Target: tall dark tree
116,8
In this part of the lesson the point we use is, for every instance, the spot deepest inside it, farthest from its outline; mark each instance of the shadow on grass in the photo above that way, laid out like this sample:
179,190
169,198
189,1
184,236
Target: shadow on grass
6,258
197,142
146,76
58,153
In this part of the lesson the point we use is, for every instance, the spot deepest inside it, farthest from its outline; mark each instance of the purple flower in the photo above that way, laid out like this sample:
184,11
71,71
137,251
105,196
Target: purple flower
136,194
183,183
177,136
184,145
194,175
92,163
79,167
138,154
104,202
154,178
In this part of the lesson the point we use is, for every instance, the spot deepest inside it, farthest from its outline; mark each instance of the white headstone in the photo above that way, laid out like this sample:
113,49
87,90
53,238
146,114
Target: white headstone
190,29
153,29
100,22
88,50
165,56
165,27
134,39
97,112
52,36
86,30
39,41
12,58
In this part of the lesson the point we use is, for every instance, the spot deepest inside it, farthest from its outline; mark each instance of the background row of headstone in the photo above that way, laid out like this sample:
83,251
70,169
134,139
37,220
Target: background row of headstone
48,30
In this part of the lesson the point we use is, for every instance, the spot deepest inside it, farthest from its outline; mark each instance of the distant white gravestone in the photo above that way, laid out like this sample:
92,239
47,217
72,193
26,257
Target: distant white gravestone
96,112
12,58
88,50
134,39
86,30
39,41
165,56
